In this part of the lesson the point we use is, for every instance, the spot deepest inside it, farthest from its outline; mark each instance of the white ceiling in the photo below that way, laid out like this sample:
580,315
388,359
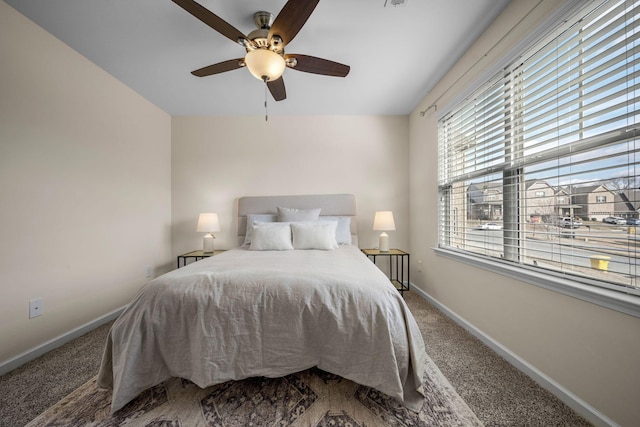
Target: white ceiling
396,54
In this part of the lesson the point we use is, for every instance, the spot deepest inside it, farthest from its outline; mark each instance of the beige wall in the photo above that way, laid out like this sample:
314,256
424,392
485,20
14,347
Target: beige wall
85,187
589,350
217,159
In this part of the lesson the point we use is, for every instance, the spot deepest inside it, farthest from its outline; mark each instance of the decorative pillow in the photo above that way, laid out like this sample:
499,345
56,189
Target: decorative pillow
251,218
314,235
343,231
290,214
273,236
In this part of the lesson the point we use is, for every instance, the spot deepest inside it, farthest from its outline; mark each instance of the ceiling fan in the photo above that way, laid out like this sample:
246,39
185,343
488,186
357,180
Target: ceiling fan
265,57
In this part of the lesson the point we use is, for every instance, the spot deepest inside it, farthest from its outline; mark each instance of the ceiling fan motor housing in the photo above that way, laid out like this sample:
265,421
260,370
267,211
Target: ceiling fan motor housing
260,36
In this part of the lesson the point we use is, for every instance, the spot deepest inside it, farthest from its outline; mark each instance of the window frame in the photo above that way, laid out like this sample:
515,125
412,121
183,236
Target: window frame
612,297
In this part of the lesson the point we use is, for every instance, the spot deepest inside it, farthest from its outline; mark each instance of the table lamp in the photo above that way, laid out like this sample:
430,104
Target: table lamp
208,223
383,221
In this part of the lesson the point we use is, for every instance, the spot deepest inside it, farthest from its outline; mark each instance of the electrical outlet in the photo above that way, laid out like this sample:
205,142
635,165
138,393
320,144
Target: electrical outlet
149,271
419,266
35,308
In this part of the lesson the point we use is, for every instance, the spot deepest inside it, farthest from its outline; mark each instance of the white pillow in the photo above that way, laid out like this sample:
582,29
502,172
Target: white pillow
314,235
273,236
290,214
343,232
251,218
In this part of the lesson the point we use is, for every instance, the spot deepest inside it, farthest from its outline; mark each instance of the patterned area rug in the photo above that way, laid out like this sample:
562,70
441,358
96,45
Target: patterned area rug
309,398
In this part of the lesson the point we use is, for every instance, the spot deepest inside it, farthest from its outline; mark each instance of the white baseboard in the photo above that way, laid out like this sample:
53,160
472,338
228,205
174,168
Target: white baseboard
574,402
21,359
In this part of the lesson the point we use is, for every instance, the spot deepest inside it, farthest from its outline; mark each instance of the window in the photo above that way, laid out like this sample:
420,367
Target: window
561,119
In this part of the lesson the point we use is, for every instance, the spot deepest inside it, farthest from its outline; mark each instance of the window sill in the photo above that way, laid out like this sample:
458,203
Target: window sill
614,300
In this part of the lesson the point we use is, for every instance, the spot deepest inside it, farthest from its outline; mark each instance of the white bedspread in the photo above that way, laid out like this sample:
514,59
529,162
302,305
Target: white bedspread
247,313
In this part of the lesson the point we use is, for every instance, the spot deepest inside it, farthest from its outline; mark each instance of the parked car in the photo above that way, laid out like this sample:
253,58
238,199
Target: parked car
569,222
614,220
489,226
633,221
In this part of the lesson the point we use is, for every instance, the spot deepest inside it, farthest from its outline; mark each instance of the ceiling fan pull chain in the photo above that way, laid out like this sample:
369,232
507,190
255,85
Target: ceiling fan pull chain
266,110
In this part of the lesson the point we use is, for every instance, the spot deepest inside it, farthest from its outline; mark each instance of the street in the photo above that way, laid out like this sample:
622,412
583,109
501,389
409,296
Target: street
565,248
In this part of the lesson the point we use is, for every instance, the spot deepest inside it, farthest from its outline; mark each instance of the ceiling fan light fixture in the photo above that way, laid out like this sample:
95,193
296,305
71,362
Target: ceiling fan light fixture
265,64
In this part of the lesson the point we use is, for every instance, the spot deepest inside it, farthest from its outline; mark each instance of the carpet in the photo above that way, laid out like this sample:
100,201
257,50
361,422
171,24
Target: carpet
308,398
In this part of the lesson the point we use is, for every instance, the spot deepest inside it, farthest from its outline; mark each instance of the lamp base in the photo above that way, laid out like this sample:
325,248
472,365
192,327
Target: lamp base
383,245
207,243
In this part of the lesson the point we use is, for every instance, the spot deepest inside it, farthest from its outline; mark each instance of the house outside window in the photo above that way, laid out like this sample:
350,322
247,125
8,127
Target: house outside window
562,118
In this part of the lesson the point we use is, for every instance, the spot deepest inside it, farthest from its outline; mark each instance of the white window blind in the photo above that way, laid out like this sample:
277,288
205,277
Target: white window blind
540,167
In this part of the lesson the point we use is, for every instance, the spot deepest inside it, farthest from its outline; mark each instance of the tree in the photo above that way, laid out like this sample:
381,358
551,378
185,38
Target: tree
619,185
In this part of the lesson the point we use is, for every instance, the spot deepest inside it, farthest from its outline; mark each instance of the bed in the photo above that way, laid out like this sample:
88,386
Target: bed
271,312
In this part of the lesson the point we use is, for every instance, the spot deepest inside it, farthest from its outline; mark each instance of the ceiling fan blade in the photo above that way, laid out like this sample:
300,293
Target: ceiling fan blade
291,19
211,19
276,87
311,64
220,67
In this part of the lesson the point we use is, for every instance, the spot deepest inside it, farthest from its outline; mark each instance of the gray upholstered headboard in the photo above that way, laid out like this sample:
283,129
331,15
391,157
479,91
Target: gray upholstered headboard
330,205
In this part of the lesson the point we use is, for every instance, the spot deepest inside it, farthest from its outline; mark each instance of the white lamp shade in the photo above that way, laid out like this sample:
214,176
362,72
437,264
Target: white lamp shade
208,222
265,64
383,221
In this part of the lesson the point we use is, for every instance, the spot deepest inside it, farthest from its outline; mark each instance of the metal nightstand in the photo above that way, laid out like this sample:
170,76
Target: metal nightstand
197,255
397,257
